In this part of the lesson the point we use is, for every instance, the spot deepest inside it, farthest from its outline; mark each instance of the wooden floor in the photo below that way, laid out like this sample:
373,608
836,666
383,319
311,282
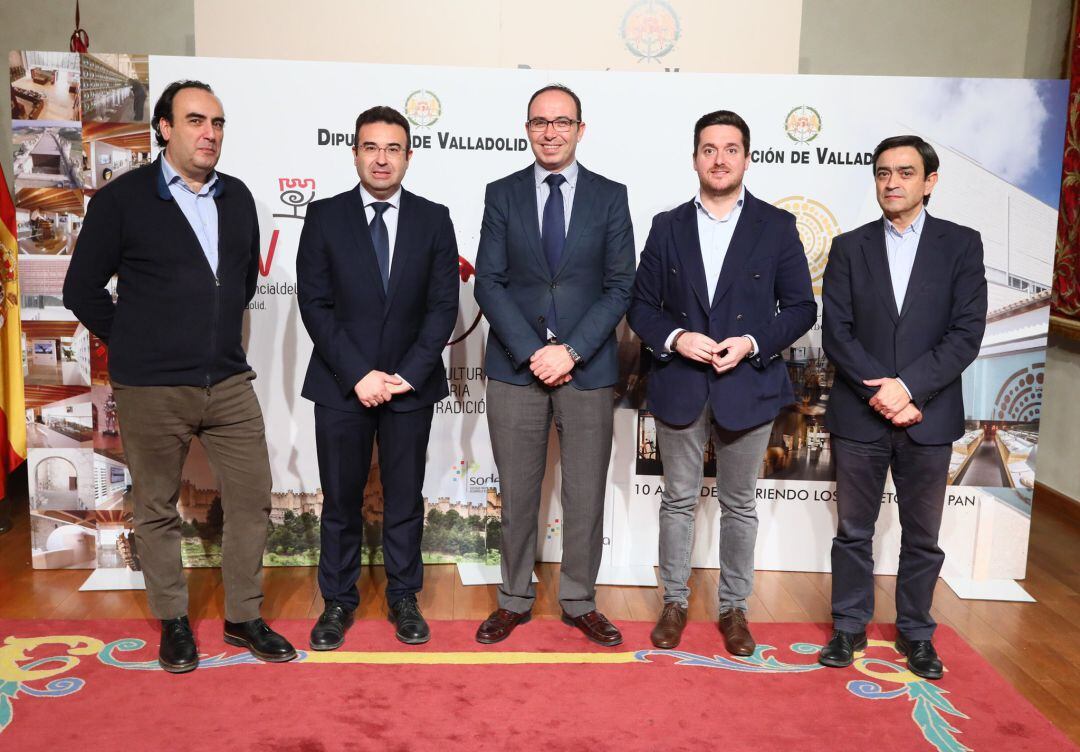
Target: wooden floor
1035,646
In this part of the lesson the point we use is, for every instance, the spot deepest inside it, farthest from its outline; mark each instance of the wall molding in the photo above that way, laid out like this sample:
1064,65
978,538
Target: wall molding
1064,505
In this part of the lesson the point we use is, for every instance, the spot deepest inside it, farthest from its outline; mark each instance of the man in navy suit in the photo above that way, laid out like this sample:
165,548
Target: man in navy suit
904,302
723,288
553,276
376,276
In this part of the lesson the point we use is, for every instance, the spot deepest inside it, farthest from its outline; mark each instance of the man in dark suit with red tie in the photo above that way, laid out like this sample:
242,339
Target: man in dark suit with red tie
904,313
377,285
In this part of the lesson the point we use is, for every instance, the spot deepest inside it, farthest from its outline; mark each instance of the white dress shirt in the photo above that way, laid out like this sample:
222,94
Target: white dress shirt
390,216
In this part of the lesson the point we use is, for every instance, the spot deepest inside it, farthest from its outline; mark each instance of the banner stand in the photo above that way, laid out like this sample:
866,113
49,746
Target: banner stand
640,576
988,590
118,578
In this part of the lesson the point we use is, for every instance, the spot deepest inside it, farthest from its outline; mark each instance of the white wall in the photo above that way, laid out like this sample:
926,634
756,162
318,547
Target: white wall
968,38
1060,417
715,36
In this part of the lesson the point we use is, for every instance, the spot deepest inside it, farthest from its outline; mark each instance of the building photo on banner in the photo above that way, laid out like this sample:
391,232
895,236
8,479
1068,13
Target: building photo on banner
812,137
78,121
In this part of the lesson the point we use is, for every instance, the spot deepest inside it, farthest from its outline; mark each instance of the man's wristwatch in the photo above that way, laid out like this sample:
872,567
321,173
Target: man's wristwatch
573,353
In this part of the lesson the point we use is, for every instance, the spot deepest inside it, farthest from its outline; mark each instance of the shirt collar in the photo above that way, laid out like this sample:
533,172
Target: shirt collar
368,199
737,207
172,177
570,172
914,228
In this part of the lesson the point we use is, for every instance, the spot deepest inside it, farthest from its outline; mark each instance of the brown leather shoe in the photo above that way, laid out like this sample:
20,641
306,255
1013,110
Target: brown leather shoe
737,637
596,627
669,627
499,625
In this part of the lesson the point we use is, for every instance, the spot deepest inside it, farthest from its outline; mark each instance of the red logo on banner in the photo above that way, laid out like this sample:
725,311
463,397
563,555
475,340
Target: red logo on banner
294,195
264,268
465,269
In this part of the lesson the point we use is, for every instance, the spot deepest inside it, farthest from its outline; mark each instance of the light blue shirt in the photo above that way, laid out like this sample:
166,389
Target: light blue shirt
714,237
199,209
901,247
543,190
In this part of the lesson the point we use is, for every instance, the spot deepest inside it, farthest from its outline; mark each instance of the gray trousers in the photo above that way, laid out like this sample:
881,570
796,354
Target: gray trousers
157,424
738,461
519,419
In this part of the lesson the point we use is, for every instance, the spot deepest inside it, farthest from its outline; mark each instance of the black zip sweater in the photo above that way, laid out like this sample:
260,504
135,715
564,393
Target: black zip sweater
174,323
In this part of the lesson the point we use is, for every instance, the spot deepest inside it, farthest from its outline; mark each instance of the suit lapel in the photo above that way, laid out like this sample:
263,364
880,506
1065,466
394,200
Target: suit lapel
925,255
581,213
743,241
524,203
357,219
688,248
877,264
404,244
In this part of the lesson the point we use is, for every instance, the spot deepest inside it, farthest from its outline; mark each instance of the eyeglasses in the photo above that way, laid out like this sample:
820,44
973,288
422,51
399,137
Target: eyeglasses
392,150
562,125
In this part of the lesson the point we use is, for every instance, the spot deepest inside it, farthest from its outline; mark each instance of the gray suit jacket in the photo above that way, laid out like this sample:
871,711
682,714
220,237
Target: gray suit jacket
591,287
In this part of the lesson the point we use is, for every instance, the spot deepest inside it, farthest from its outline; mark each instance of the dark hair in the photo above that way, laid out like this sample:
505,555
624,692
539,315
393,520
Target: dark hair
722,117
555,87
926,152
382,114
163,109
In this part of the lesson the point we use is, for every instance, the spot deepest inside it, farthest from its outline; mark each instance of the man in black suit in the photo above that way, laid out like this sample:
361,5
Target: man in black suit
376,275
553,276
904,309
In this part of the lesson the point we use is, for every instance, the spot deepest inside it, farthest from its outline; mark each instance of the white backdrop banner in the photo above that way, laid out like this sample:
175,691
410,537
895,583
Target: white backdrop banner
290,127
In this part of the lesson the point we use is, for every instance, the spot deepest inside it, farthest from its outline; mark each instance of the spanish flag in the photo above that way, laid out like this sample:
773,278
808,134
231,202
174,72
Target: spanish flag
12,404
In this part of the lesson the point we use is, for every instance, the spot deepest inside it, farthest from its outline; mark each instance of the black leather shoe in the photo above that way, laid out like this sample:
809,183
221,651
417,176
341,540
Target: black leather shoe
411,627
329,631
840,651
263,642
922,659
177,653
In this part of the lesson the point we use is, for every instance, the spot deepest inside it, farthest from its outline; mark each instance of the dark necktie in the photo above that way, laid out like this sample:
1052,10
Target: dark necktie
380,238
553,234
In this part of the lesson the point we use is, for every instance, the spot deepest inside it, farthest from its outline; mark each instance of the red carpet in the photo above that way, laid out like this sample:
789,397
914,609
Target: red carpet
94,685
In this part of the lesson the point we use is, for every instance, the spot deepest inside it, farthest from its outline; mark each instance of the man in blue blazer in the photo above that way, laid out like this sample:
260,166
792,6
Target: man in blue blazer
904,302
376,276
553,276
723,288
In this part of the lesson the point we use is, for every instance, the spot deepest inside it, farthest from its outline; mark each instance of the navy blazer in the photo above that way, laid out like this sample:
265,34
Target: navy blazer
928,344
763,290
358,327
591,287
